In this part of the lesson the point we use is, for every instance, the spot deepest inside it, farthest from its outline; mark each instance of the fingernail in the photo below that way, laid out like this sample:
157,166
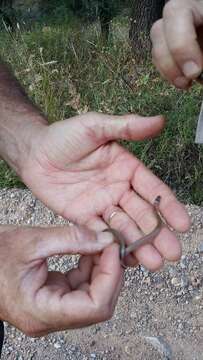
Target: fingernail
105,238
181,82
191,69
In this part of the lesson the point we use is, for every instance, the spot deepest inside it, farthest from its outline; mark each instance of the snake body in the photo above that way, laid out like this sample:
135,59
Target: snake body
147,239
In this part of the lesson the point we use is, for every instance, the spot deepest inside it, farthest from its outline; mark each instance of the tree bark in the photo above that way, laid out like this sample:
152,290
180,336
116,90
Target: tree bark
144,14
5,4
105,17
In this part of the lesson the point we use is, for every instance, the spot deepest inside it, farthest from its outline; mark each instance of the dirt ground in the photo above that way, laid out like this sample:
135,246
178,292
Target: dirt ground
159,316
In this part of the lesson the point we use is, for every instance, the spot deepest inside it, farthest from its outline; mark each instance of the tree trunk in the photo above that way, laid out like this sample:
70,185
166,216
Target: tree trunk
144,14
105,17
6,4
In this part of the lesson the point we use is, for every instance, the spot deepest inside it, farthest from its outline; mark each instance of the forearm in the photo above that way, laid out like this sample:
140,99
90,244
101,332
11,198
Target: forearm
19,120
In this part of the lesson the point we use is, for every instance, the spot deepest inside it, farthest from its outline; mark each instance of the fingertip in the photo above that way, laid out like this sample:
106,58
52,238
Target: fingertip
176,215
157,124
176,254
162,121
152,126
181,83
155,265
150,258
192,69
104,239
168,245
183,220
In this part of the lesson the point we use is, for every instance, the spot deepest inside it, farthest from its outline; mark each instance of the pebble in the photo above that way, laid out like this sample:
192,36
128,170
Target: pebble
201,248
147,280
175,281
195,281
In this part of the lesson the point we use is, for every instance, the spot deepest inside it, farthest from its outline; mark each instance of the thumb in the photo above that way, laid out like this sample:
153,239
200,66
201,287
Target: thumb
71,239
127,127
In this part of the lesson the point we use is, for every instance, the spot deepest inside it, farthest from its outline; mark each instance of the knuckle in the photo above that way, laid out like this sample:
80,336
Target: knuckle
93,114
164,65
170,8
156,29
178,50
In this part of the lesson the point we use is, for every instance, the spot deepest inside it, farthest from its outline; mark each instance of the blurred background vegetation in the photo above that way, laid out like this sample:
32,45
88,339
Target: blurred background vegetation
82,55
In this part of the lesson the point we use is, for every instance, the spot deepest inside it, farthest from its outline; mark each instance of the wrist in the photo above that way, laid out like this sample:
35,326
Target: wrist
17,135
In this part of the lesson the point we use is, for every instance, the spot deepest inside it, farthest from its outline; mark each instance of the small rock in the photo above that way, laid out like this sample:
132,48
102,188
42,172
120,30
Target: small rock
201,248
133,315
147,280
197,298
175,281
195,281
57,345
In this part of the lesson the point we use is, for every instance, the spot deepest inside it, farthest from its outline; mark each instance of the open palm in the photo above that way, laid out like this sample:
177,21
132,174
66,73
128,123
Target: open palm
77,169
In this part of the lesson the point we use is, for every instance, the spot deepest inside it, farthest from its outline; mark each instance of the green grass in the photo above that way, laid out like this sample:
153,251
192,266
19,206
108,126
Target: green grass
66,71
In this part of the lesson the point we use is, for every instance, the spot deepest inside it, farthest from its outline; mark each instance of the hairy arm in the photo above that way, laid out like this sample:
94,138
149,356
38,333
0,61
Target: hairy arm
19,120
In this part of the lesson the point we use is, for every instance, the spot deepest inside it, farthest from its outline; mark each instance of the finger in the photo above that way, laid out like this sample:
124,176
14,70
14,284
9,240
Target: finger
126,127
96,223
109,280
163,59
180,22
141,211
96,129
117,219
146,255
149,187
166,243
67,240
80,308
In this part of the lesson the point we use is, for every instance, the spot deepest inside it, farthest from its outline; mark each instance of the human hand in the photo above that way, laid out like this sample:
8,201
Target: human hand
76,168
39,302
178,42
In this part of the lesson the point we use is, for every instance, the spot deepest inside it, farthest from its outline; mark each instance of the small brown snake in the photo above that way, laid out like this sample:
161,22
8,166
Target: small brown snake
147,239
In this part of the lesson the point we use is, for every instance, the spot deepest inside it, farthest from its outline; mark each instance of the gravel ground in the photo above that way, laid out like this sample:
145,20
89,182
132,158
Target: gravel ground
159,316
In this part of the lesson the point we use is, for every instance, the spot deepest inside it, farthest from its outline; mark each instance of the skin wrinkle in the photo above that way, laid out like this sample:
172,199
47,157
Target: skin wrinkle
136,173
105,186
89,130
